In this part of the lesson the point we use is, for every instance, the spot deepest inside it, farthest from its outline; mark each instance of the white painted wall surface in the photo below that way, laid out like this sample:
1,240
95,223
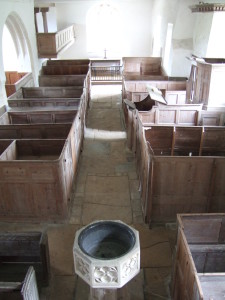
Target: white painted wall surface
136,26
24,11
51,20
178,13
201,34
216,44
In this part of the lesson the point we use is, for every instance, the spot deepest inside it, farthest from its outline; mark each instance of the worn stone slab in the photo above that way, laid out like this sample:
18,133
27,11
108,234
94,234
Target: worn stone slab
109,190
135,287
93,212
82,291
61,239
156,256
125,167
76,214
157,283
63,287
95,148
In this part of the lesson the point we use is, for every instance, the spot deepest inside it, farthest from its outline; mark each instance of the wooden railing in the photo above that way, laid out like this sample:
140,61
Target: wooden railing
107,73
51,44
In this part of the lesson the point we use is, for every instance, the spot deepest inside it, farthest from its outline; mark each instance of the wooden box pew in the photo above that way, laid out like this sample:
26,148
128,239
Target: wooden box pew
59,92
143,66
35,131
15,80
212,118
67,80
48,92
173,88
44,102
38,116
4,144
46,105
199,264
48,99
149,112
19,251
61,62
65,69
52,93
172,97
45,124
26,289
181,170
62,80
35,180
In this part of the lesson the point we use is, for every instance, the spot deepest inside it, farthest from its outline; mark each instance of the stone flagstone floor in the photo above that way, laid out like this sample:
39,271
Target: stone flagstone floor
106,187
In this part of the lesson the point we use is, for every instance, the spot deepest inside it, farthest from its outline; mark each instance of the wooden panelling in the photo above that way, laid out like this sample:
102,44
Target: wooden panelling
65,69
185,173
38,116
32,177
35,131
19,250
44,102
61,62
62,80
53,92
199,264
182,115
143,65
15,80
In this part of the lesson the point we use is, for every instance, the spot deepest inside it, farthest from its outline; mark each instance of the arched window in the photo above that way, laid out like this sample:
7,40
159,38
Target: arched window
104,30
10,55
17,56
15,42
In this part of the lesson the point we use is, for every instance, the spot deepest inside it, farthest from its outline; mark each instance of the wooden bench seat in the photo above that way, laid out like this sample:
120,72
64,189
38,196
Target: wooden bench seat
19,251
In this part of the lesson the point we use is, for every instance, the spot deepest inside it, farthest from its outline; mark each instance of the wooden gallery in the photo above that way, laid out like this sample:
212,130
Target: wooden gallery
171,104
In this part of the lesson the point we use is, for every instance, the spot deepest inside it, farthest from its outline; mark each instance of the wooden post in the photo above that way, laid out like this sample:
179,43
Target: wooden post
36,10
173,140
44,10
201,141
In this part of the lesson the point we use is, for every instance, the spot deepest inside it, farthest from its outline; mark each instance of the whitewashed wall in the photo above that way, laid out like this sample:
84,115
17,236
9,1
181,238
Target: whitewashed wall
23,11
178,13
136,26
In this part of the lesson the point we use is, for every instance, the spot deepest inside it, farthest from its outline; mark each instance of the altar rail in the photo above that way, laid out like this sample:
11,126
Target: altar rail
106,73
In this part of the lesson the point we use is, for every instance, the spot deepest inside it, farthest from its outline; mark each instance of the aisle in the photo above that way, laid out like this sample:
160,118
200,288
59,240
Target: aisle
106,185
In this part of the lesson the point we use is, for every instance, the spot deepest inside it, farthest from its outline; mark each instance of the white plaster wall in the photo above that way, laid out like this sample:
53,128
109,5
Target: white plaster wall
216,44
136,26
201,34
24,11
51,20
178,13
